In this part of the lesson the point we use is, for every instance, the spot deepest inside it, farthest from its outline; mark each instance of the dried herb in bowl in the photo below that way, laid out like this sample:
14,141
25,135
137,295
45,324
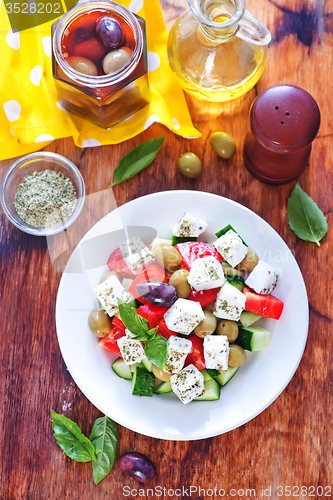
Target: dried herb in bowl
45,199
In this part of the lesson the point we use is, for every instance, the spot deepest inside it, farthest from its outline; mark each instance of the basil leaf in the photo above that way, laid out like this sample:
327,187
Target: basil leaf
135,323
105,439
71,440
156,350
137,159
305,217
152,333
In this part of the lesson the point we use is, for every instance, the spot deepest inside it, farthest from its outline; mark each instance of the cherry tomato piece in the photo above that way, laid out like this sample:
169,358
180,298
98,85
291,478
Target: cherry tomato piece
152,313
196,356
109,342
204,297
117,264
192,250
164,330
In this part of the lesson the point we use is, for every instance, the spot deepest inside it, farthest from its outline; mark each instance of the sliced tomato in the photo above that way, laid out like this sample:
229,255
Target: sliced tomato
204,297
196,356
117,264
152,271
192,250
164,330
266,305
152,313
109,342
117,322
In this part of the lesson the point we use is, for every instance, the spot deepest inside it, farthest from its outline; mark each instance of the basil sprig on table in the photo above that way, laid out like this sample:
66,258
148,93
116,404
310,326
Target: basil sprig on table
156,345
101,448
305,217
136,160
105,439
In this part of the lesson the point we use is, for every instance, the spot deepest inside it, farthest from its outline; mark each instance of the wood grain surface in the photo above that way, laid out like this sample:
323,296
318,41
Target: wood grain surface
290,443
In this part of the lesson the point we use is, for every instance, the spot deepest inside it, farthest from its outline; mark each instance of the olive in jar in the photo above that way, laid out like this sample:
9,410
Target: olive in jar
189,165
223,145
179,280
99,322
207,326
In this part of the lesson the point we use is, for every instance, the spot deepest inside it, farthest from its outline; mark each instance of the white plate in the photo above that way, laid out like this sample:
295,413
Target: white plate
256,384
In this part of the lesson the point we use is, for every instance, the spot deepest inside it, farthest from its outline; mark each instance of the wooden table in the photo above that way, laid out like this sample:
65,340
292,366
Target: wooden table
289,444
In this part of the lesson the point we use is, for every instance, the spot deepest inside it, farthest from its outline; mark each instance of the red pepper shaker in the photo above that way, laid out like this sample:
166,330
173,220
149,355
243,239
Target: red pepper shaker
284,120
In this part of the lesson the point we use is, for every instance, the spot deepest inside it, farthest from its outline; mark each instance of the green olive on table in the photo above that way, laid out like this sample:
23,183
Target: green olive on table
189,165
207,326
107,276
237,355
228,328
223,145
249,262
179,280
99,322
167,256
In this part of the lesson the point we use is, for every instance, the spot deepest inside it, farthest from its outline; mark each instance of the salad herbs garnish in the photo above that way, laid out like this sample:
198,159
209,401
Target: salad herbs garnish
101,448
137,159
156,345
305,217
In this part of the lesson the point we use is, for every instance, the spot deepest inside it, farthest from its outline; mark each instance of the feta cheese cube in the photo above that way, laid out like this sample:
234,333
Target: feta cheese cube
178,349
136,254
263,278
137,261
131,350
188,384
183,316
231,247
229,303
129,247
189,226
206,273
216,351
108,293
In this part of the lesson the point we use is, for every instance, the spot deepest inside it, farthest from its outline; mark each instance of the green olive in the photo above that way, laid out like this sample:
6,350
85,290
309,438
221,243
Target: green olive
115,60
228,328
237,355
108,275
207,326
249,262
82,65
167,256
223,145
99,322
179,280
189,165
161,374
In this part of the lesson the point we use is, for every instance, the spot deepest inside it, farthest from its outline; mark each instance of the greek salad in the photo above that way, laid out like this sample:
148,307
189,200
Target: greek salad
180,314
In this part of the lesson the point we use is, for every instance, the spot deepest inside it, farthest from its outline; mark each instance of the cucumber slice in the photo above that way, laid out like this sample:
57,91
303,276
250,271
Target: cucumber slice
247,318
163,388
142,382
182,239
209,373
230,271
236,281
147,364
212,391
121,369
253,338
227,228
224,377
134,365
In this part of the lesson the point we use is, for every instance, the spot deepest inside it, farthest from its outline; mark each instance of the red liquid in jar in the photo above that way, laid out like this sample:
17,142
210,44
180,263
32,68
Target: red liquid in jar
103,105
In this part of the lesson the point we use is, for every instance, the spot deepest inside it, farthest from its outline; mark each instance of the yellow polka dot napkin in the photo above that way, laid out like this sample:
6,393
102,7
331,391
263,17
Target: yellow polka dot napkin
31,115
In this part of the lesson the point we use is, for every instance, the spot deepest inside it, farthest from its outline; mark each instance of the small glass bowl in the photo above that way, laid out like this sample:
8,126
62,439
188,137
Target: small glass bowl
36,162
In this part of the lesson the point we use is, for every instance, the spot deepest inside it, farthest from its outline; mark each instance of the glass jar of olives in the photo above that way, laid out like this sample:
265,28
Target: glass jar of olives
100,61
